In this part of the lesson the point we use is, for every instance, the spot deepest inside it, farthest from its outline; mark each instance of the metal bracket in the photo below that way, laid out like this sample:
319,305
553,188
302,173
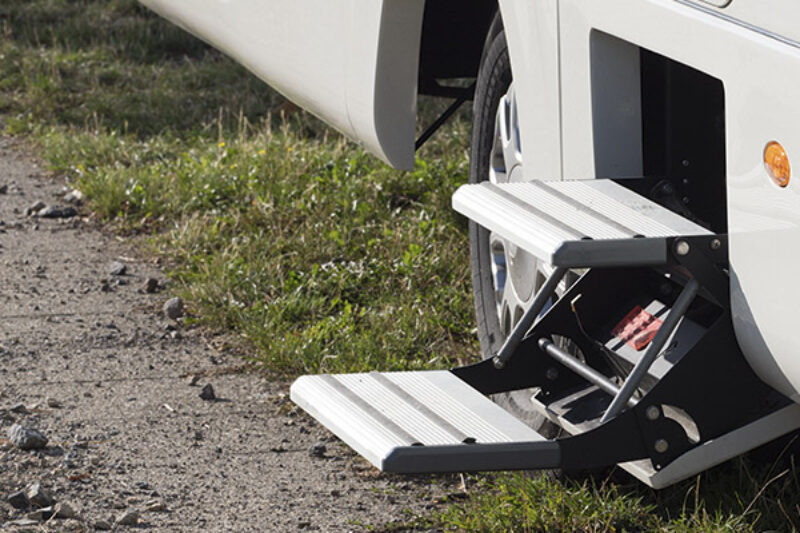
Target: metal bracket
711,386
466,94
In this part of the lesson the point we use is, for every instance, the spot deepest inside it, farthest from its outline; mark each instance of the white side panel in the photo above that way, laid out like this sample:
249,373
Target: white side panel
353,63
532,34
781,17
759,74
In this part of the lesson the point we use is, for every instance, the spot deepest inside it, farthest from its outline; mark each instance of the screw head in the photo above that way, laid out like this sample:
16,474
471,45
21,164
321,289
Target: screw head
552,373
652,412
716,244
661,445
682,248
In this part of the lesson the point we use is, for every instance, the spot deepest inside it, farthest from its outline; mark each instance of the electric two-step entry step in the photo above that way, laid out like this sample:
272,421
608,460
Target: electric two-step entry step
611,403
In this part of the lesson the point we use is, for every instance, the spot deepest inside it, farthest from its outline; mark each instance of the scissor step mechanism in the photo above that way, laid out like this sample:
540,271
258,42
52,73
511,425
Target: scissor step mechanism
636,363
429,421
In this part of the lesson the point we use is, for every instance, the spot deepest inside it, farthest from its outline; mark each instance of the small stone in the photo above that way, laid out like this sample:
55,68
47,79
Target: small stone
35,208
155,506
101,525
193,380
150,285
41,515
22,522
118,268
26,438
18,500
38,496
74,197
64,510
72,524
3,189
207,393
56,211
128,518
173,308
53,403
18,408
318,450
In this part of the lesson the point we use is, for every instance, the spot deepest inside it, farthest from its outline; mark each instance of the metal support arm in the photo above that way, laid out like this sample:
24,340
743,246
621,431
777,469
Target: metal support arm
527,320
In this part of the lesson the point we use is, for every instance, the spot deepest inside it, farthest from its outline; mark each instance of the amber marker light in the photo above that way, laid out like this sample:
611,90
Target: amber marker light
777,164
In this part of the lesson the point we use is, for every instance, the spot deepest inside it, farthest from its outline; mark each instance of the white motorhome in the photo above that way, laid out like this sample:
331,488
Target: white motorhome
634,222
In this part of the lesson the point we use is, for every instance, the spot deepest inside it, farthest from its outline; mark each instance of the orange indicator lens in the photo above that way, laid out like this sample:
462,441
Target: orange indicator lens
777,164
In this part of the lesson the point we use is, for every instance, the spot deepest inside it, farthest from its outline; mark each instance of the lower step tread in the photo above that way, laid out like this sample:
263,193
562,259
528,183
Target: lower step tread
426,421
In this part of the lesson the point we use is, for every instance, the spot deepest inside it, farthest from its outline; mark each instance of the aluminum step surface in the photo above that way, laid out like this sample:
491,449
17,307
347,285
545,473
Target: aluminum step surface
576,224
427,421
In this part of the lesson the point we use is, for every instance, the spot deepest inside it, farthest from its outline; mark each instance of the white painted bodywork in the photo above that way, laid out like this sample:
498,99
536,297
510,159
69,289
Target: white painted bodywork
353,63
758,73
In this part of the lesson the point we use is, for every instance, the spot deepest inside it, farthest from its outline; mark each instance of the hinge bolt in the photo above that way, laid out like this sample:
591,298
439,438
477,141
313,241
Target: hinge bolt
682,248
498,363
653,412
661,445
716,244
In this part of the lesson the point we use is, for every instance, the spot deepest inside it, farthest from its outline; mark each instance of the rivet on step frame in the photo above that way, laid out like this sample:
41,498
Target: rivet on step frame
661,446
552,373
682,248
653,412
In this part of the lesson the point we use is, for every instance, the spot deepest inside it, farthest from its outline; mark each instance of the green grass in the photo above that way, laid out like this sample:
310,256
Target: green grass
736,497
315,254
319,255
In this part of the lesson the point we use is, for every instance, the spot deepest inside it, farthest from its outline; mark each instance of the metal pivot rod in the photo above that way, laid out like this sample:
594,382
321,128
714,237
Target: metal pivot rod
643,365
585,371
527,320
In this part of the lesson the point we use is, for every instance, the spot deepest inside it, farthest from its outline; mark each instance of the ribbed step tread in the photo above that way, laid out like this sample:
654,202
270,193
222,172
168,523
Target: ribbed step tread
428,421
584,223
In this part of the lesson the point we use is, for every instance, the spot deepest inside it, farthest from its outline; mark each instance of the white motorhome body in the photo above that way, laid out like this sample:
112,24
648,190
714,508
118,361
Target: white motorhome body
615,91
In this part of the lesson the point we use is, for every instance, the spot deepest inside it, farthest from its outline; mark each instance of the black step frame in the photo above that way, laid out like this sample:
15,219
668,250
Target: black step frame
712,382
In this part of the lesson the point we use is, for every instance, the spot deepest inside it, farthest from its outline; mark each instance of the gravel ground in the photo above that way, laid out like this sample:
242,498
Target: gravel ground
89,359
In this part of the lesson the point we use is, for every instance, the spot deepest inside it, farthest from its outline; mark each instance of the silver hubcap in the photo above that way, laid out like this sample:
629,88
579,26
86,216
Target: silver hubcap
516,274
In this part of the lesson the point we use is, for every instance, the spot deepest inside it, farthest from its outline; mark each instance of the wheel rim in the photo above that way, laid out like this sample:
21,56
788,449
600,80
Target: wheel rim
516,274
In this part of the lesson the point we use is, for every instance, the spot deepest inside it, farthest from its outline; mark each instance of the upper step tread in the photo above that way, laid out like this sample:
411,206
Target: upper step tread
381,414
575,223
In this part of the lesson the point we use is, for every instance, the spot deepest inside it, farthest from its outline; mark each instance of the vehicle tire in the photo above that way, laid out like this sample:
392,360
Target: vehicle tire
500,272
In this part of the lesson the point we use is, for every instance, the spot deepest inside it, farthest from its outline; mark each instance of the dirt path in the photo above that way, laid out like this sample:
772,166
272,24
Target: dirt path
87,359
